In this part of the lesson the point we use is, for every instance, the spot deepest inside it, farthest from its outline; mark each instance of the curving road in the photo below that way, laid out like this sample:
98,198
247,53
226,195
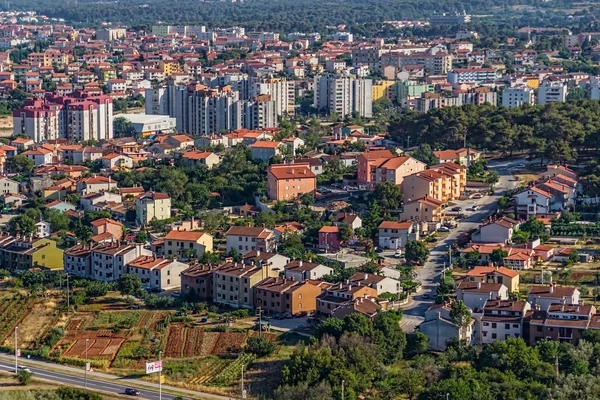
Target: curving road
430,274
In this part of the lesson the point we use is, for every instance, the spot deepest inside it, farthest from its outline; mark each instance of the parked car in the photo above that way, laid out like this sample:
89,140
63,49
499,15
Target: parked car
204,320
132,392
456,209
287,315
477,196
176,293
300,314
398,253
443,229
24,368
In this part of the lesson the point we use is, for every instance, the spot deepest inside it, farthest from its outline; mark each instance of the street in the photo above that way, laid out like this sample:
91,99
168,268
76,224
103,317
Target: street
41,370
430,274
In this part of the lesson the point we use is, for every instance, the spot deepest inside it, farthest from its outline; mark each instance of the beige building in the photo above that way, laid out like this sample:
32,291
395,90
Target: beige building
234,283
152,205
183,243
424,209
396,168
157,273
195,158
442,182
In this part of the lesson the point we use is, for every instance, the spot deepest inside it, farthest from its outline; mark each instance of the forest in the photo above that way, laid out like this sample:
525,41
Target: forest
283,15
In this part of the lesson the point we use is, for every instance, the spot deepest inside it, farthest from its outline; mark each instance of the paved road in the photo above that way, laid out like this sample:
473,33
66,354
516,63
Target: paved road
62,377
430,274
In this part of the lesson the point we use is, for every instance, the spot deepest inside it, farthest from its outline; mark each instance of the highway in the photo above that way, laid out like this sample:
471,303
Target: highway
429,275
95,384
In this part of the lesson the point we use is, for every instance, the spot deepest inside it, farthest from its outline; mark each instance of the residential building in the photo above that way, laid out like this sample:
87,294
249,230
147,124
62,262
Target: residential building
394,235
440,329
39,156
281,295
396,168
475,294
197,158
233,283
106,229
552,92
502,319
368,162
544,296
435,63
340,294
264,151
560,323
343,95
471,75
276,262
157,273
152,206
516,96
186,244
497,231
289,181
455,18
8,185
464,156
247,238
110,260
381,283
299,270
501,275
532,201
77,260
110,34
29,252
424,209
329,238
197,281
343,218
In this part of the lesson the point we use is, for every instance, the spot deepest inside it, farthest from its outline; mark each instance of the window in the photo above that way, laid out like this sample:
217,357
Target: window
494,336
506,326
493,325
515,325
539,328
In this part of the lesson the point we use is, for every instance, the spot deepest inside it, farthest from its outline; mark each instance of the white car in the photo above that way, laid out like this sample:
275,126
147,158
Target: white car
443,229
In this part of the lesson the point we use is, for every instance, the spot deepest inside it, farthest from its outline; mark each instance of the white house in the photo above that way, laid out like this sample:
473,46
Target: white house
440,329
543,296
381,283
157,273
43,229
301,270
475,294
497,231
395,235
532,201
8,185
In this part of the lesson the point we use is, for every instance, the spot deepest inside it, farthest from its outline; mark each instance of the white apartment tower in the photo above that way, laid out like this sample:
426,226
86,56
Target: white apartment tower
552,92
343,95
516,96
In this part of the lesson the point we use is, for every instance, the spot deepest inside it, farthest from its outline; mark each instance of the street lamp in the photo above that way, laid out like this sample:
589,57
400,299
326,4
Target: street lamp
86,360
160,376
16,351
343,381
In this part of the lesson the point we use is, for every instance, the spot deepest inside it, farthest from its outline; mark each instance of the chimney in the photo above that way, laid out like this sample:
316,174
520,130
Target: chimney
551,289
479,285
257,253
300,263
366,276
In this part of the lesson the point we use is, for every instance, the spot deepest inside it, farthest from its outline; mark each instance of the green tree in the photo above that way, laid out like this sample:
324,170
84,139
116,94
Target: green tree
24,377
141,237
498,255
424,154
417,343
96,289
415,252
387,195
460,315
20,164
22,225
129,285
58,220
346,233
122,127
260,346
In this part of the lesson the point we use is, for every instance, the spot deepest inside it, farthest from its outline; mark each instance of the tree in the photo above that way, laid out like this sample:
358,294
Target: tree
416,343
387,195
425,154
472,258
58,220
460,315
415,252
260,346
346,232
141,237
520,237
372,220
129,285
307,199
24,377
20,164
122,127
498,255
331,326
22,225
96,289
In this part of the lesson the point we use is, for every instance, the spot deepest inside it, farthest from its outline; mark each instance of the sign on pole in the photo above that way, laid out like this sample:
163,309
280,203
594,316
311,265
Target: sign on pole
152,367
87,366
18,352
162,379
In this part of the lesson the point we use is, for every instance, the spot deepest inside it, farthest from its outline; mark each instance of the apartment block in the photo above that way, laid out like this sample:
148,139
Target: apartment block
152,206
233,283
552,92
343,95
289,181
281,295
187,244
516,96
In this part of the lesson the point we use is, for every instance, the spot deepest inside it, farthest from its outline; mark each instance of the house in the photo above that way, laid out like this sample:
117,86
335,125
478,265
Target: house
78,260
329,238
197,282
502,275
95,184
8,185
110,260
367,163
394,235
440,329
353,220
116,161
93,201
532,201
367,306
187,244
264,151
560,323
86,153
152,206
276,262
424,209
502,319
341,294
281,295
544,296
60,206
13,200
233,283
519,259
22,143
553,170
29,252
497,231
463,156
106,229
43,229
289,181
301,271
381,283
180,142
39,156
293,143
195,158
246,238
475,294
157,273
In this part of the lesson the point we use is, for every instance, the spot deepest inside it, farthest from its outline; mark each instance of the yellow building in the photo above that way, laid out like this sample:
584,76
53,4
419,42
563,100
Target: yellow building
233,283
152,206
441,182
184,244
169,67
533,83
23,254
383,89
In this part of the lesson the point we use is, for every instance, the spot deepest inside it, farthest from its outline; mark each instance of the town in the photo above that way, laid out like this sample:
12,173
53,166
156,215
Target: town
277,215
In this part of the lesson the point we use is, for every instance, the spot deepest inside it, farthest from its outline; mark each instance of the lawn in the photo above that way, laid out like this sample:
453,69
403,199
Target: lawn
116,320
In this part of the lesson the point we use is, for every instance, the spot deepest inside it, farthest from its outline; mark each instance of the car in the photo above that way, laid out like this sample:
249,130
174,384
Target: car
176,293
204,320
443,229
132,392
24,368
398,253
456,209
300,314
426,296
477,196
154,340
134,307
521,166
287,315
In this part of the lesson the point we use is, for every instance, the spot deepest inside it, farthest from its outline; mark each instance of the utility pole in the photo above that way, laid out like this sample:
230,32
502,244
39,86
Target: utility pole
86,360
160,376
259,309
556,366
68,297
243,391
343,381
16,351
450,255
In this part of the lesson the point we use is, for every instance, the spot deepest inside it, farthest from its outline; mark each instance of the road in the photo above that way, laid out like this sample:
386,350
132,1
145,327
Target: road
63,377
431,272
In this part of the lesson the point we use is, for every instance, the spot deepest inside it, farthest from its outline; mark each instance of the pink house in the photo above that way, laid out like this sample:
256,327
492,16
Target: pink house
329,238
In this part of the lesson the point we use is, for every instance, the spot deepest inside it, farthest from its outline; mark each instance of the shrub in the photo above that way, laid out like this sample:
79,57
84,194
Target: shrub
24,377
260,346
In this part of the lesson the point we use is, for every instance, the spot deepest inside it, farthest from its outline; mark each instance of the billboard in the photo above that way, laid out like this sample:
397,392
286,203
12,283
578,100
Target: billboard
152,367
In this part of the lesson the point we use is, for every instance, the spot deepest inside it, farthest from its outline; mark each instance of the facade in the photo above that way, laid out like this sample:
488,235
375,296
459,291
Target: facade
516,96
187,244
109,260
152,206
368,162
289,181
198,280
394,235
501,275
425,209
561,323
498,231
301,271
343,95
157,273
552,92
263,150
502,319
340,294
197,158
440,329
396,168
471,75
544,296
381,283
281,295
475,294
233,283
26,253
329,238
245,238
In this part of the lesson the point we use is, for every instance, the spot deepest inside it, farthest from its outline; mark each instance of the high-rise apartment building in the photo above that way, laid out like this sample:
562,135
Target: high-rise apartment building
343,95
